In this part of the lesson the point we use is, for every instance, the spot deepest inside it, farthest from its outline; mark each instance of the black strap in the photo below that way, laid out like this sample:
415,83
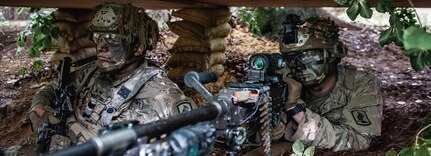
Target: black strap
298,108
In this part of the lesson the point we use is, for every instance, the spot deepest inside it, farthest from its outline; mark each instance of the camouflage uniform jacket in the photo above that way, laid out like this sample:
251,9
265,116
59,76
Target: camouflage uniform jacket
157,98
346,118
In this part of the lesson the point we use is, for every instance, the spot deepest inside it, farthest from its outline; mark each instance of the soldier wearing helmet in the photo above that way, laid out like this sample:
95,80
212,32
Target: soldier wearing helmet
121,85
332,106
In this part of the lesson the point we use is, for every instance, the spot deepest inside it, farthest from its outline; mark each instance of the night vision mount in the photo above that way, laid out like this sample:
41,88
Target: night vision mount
289,33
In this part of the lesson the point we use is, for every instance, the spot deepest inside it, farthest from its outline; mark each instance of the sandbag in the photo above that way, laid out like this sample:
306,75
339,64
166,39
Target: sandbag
191,30
76,55
204,16
84,53
60,44
57,56
219,68
72,15
204,46
176,74
196,60
81,42
73,30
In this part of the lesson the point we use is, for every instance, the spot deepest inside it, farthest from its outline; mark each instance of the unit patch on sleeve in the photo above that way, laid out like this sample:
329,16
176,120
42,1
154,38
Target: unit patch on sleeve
183,106
361,117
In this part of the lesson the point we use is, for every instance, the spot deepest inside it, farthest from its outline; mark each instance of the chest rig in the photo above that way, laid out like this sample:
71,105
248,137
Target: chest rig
99,104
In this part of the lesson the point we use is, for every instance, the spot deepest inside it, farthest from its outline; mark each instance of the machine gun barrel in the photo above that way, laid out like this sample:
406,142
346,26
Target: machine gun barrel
121,139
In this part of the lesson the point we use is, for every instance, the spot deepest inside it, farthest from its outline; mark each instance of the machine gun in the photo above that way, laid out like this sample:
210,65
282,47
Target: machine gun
257,101
62,109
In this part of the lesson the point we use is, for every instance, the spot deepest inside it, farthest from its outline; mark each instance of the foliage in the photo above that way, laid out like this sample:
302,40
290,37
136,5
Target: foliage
37,66
418,46
40,29
21,72
422,146
416,41
298,149
248,16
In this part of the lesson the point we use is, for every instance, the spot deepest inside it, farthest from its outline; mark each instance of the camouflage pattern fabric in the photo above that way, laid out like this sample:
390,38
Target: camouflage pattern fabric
158,98
347,118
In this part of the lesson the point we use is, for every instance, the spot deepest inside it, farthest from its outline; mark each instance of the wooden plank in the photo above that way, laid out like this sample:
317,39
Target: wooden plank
173,4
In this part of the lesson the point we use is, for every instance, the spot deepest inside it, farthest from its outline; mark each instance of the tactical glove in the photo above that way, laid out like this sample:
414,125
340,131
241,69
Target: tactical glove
294,89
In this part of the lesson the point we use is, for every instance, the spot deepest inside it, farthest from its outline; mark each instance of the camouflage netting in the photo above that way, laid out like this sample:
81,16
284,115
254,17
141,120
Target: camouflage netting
75,42
201,43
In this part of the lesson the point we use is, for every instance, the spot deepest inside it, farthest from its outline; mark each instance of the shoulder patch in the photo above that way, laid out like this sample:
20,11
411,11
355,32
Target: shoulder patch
361,117
183,106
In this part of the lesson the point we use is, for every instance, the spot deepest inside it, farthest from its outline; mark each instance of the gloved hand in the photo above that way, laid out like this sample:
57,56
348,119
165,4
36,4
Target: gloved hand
278,149
40,114
294,89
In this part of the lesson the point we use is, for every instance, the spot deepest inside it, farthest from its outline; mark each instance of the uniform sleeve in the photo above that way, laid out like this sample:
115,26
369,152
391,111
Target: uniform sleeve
46,95
360,120
160,98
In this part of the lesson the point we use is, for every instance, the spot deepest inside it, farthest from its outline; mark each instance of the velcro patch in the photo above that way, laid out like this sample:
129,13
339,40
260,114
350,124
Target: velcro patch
124,92
183,106
361,117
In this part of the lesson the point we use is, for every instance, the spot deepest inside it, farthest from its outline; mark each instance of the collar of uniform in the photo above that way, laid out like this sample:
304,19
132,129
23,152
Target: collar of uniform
136,71
333,99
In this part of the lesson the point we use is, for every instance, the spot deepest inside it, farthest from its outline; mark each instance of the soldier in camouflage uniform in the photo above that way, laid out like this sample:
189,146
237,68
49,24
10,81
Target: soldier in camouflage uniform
121,85
330,106
340,107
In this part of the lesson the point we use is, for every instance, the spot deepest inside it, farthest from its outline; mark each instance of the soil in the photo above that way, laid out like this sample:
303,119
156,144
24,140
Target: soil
406,92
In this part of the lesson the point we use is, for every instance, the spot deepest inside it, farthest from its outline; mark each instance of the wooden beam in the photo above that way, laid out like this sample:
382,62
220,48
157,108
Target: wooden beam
175,4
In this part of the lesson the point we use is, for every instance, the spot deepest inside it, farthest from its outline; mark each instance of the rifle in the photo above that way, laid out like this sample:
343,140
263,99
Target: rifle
257,101
62,108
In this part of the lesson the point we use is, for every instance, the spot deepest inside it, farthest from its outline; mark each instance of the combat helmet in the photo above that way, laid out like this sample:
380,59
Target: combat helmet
136,30
311,45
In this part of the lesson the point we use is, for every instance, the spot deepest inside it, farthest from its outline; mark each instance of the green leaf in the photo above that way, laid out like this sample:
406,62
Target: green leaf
398,37
298,147
309,151
384,6
412,52
422,151
365,11
32,52
47,42
427,61
20,10
37,66
385,37
406,152
19,49
416,38
353,11
21,72
416,63
391,152
341,2
294,154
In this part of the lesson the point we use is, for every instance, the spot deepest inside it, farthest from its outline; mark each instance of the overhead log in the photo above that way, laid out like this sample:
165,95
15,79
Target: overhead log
177,4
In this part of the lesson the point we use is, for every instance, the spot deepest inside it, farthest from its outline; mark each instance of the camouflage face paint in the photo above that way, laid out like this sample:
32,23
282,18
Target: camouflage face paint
110,50
309,66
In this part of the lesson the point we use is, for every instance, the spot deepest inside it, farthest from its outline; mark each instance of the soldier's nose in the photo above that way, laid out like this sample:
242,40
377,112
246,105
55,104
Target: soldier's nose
102,48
